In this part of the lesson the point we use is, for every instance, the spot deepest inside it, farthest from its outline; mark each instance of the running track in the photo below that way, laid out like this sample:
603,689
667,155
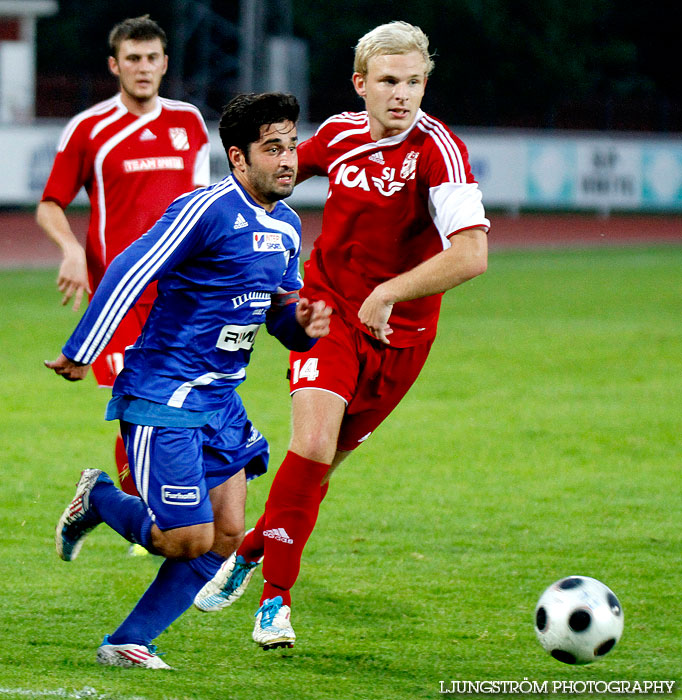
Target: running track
22,243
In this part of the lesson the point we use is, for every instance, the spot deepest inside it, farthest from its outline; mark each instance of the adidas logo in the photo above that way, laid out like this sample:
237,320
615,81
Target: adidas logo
147,135
378,157
239,222
279,534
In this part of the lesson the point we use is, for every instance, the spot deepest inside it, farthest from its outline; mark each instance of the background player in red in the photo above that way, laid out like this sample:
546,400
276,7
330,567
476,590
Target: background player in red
403,223
134,154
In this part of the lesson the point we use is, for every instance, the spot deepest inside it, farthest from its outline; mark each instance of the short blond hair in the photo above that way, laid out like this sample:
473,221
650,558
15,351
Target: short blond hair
392,38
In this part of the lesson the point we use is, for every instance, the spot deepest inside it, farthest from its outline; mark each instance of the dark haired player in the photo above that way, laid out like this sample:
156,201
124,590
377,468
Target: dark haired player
226,260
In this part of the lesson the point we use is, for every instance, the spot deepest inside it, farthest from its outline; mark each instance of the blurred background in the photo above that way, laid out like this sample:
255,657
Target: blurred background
593,64
564,106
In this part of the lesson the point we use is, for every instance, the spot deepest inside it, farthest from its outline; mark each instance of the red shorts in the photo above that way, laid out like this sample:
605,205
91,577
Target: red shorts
368,375
110,362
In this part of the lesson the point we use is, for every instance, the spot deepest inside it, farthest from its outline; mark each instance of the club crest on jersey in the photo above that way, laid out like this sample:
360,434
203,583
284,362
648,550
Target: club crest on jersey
268,242
409,166
178,137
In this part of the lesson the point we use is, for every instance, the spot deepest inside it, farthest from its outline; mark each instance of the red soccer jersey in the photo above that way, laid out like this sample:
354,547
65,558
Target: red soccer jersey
392,204
131,167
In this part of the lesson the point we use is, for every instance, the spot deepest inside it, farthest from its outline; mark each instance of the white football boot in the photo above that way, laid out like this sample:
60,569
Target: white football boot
78,518
130,656
273,625
228,585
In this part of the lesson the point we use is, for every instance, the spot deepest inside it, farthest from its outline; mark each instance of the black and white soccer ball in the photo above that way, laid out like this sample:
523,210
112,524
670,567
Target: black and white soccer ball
578,620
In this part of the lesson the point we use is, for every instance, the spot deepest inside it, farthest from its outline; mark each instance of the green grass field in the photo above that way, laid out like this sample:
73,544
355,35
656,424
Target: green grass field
542,440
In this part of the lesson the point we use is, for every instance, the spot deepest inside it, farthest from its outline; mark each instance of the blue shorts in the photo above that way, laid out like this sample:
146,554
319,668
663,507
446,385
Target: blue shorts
175,468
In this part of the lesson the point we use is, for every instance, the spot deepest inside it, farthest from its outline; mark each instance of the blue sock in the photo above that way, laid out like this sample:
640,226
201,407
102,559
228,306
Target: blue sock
169,595
126,514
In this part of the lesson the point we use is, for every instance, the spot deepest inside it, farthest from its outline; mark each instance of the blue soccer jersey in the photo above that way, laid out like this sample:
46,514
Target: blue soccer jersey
218,258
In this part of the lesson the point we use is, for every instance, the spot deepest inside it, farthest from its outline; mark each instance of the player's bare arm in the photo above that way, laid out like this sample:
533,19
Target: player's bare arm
466,258
64,367
72,280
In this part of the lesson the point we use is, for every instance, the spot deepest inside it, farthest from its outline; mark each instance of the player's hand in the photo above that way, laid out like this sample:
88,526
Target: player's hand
374,314
66,368
314,317
72,280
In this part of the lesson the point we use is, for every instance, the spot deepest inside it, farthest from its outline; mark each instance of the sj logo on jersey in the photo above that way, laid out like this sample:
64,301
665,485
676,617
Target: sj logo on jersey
268,242
178,137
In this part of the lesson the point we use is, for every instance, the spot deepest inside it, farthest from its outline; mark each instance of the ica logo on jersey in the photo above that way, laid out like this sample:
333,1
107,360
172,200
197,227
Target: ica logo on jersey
386,184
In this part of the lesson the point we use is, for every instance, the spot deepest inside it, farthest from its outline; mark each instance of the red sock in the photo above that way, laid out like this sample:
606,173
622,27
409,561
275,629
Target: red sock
290,516
124,477
253,545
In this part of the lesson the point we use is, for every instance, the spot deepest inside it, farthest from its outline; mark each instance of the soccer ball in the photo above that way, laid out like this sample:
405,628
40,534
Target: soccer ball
578,620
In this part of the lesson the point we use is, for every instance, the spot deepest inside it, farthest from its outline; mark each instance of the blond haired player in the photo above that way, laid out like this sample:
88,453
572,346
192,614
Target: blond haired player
403,223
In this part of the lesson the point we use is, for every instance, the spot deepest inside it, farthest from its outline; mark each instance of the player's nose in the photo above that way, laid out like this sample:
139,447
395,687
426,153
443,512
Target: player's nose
400,92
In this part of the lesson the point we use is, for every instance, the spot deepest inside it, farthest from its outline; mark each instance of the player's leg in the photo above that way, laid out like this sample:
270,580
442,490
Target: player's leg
178,580
252,548
292,509
187,532
296,492
221,452
330,371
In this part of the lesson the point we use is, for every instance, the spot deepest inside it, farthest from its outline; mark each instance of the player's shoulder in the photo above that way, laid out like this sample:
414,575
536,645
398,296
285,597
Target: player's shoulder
181,107
84,121
441,149
99,110
210,201
288,215
344,121
438,132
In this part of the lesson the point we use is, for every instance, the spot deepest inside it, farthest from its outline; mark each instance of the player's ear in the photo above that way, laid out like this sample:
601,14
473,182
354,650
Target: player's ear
236,156
359,84
113,66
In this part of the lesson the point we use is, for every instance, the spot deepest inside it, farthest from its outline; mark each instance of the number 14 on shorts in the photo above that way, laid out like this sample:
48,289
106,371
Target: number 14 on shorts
308,370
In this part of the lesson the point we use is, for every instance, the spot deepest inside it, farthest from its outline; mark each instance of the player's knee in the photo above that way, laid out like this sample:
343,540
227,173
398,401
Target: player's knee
185,542
315,445
227,540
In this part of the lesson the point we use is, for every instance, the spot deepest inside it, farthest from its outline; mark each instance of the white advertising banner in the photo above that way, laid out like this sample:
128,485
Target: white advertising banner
516,170
608,175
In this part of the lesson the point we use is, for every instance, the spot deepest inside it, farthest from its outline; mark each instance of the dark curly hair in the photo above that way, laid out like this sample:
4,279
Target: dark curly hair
242,118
